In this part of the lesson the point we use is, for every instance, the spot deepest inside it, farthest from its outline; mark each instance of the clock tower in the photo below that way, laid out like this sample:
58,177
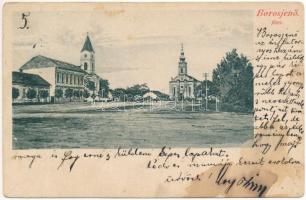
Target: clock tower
182,66
88,57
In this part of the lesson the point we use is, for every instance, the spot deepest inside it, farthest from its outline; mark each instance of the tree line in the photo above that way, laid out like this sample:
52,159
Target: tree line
232,83
31,94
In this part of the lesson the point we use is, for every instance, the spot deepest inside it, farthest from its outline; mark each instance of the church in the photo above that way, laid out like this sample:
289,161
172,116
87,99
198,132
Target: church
66,76
183,86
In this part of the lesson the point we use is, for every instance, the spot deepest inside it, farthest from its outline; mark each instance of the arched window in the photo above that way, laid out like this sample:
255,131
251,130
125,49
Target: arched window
182,70
85,66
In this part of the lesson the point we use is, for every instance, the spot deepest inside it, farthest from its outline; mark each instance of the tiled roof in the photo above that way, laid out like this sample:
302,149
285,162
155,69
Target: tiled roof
29,79
43,62
87,45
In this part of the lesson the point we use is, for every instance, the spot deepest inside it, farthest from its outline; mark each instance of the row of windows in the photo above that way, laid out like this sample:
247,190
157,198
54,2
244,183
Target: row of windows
70,79
189,90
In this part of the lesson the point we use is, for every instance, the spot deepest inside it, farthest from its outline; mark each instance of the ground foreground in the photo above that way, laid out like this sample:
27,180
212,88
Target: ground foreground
113,125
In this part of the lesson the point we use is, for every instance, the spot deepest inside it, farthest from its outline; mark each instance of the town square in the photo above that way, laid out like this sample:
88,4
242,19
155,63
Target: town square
62,104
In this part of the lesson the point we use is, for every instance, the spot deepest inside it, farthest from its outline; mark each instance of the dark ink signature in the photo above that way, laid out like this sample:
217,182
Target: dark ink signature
68,156
247,183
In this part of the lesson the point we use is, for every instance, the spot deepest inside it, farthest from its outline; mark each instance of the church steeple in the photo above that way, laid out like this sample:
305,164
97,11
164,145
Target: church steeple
87,45
88,56
182,68
182,57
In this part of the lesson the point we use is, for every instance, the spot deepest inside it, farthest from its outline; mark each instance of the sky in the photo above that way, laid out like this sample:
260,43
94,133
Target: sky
134,46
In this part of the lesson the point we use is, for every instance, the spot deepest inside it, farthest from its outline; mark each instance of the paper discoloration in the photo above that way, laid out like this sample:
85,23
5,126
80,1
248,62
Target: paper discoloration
153,99
240,182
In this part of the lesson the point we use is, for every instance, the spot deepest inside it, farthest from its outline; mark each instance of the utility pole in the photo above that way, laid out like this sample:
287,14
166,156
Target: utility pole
217,102
206,89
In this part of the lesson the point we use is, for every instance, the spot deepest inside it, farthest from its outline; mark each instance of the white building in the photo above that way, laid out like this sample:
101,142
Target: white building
183,86
63,75
150,95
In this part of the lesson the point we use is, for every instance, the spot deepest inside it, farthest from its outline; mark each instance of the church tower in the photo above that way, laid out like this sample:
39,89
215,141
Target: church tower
88,57
182,67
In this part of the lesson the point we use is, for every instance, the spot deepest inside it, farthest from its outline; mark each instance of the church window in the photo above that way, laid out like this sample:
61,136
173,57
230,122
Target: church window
67,78
74,80
63,78
85,66
181,70
174,91
189,91
85,55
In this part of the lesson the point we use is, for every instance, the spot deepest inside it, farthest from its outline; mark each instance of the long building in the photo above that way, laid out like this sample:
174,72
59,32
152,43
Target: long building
62,75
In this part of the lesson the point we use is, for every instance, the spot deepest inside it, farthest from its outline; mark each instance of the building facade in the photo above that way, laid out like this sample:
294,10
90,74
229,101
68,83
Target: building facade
183,86
29,88
63,76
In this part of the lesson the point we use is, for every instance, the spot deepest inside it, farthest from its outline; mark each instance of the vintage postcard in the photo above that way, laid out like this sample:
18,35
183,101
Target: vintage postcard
153,99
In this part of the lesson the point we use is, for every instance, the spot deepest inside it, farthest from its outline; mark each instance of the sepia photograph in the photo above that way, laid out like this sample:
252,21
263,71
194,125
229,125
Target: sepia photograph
105,85
153,99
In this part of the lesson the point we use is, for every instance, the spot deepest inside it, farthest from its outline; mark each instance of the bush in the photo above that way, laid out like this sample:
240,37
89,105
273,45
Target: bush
31,93
15,93
86,94
58,93
76,93
69,93
43,94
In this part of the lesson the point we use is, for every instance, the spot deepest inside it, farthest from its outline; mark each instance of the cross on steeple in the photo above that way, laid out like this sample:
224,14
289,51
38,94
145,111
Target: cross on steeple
182,56
182,63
